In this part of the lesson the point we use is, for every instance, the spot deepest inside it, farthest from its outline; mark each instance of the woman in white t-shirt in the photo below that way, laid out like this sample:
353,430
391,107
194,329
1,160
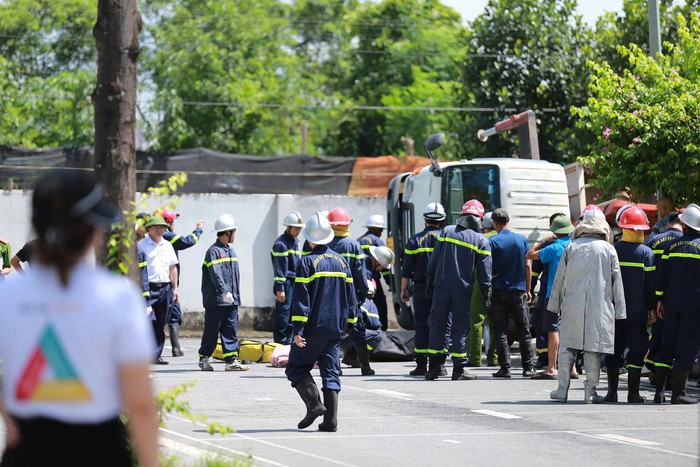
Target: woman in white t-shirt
74,342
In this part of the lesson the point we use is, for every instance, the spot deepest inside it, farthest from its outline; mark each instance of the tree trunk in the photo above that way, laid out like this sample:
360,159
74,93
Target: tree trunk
116,34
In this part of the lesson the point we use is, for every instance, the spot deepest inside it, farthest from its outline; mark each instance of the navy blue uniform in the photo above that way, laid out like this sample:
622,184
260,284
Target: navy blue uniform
285,257
372,326
450,277
351,251
324,305
145,286
366,241
180,242
680,293
658,243
637,268
220,275
416,255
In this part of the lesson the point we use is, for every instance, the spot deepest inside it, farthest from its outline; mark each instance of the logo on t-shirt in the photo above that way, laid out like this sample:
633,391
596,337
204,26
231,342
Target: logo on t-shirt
49,374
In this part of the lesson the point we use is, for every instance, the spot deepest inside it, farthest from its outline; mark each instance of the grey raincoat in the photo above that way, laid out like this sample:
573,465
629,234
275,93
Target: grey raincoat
587,289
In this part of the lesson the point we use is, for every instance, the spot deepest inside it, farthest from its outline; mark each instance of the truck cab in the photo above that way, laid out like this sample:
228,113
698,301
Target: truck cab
530,190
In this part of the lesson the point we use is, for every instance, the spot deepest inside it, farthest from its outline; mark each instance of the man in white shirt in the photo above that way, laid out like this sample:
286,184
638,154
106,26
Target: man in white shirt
161,263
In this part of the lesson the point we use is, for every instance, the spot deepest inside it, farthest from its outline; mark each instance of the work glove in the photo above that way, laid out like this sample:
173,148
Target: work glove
228,297
150,314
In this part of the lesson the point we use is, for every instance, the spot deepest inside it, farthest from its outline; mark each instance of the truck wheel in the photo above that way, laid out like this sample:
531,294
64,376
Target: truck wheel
404,315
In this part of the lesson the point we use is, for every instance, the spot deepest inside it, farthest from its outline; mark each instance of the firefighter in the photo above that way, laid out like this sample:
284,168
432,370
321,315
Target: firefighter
324,306
658,243
450,280
221,297
637,268
679,306
418,250
370,316
285,256
351,251
179,242
375,226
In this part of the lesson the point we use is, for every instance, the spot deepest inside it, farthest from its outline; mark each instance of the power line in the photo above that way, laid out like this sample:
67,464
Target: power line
360,107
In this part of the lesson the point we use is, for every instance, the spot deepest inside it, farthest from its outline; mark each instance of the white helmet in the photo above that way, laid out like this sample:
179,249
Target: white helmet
224,222
318,230
434,212
691,217
593,212
487,222
375,221
382,254
293,219
371,288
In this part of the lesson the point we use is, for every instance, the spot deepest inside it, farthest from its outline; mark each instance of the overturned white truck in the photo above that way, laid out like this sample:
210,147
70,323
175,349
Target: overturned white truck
530,189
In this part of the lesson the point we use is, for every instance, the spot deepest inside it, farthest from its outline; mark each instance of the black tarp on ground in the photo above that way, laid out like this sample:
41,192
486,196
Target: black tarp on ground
395,346
208,171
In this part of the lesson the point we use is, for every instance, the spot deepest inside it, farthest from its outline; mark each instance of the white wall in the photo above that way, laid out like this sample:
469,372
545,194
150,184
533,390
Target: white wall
259,219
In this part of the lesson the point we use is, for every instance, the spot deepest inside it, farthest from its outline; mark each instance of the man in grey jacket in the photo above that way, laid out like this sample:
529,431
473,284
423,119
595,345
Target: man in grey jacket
588,294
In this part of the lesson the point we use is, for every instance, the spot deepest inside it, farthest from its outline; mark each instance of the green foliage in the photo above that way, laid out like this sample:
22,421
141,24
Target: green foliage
167,403
646,119
524,55
47,72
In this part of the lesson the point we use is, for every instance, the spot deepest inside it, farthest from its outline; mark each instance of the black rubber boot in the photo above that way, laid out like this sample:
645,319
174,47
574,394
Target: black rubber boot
434,367
613,382
363,357
421,366
460,374
175,340
350,358
308,391
330,418
680,380
661,375
634,376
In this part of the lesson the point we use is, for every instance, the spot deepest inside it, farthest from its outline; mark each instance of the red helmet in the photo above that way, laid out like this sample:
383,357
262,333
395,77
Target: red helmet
168,214
634,218
339,216
474,207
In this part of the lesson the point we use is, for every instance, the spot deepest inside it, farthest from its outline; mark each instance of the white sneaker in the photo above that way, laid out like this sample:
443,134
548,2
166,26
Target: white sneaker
205,365
236,366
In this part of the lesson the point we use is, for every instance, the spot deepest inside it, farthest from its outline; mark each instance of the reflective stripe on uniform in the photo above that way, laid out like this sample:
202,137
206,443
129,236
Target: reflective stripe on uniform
659,293
352,320
663,365
366,246
301,319
350,255
219,261
464,244
684,255
280,279
175,238
147,294
459,355
419,250
143,264
535,274
284,253
435,351
196,238
637,265
658,252
313,277
417,350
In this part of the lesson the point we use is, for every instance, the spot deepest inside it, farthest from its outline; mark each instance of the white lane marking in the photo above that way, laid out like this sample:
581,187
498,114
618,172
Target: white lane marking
451,441
279,446
195,453
255,459
460,434
652,448
382,392
627,439
496,414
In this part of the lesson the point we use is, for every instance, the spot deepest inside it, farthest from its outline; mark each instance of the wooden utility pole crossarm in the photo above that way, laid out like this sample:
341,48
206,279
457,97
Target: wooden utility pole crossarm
116,35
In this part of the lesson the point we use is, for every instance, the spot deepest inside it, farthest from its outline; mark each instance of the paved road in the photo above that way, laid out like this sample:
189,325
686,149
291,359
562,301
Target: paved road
394,419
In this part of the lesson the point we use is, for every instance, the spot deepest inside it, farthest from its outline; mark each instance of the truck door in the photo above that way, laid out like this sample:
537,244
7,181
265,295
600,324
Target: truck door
470,181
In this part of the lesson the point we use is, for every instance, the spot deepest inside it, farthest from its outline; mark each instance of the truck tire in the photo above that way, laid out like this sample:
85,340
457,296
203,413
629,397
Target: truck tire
404,315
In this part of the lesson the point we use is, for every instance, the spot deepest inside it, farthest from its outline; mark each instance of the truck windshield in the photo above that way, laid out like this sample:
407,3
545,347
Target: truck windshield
476,181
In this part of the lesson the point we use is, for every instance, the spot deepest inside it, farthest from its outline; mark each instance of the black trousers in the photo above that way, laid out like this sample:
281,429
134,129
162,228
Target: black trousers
161,300
505,303
48,442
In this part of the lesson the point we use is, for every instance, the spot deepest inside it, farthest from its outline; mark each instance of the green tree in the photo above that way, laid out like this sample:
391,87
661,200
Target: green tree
47,72
402,51
524,55
646,119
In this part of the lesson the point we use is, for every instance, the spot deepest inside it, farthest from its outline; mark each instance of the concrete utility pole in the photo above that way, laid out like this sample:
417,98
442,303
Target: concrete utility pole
654,28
